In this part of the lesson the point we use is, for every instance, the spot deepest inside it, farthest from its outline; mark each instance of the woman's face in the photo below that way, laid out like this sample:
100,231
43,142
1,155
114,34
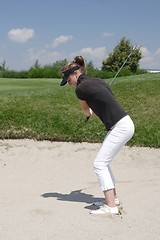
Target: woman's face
72,79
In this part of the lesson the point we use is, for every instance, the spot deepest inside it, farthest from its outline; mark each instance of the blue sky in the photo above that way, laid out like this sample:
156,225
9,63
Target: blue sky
51,30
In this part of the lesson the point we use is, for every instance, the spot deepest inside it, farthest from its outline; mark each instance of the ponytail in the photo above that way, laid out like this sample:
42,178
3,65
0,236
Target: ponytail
79,60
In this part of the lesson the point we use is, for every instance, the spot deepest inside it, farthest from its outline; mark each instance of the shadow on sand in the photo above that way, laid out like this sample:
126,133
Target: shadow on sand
74,196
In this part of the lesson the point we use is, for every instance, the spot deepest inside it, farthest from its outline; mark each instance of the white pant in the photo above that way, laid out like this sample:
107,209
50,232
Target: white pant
116,138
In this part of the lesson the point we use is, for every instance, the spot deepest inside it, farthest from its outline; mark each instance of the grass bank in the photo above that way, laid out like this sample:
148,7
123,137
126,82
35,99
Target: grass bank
40,109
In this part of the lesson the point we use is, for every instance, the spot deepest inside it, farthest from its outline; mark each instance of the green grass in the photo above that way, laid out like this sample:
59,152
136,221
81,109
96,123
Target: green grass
41,109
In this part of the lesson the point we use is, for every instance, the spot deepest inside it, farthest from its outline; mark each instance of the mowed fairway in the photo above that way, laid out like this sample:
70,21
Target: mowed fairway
41,109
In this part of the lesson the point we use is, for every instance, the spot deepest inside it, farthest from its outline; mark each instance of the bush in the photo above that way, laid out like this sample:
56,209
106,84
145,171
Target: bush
14,74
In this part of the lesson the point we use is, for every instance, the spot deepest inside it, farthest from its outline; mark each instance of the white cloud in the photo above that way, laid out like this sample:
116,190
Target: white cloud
60,40
108,34
157,54
21,35
146,56
96,55
144,51
150,60
44,56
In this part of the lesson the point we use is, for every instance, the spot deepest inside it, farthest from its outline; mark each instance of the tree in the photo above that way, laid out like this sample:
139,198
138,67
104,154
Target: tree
120,53
60,64
90,66
3,66
57,66
36,64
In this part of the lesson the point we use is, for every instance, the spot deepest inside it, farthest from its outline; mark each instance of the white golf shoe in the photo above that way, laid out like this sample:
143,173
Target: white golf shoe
105,209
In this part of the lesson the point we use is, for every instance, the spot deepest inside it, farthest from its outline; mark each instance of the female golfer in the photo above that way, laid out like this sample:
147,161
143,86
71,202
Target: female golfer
95,96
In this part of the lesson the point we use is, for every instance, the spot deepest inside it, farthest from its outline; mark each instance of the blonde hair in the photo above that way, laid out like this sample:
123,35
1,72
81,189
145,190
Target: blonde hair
78,61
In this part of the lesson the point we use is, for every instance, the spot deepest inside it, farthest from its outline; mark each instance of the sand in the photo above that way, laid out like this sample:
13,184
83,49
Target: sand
47,190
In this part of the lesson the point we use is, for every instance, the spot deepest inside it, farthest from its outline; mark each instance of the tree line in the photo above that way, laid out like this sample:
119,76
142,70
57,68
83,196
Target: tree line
109,66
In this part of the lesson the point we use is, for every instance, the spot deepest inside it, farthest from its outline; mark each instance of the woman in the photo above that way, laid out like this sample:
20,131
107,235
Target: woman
95,96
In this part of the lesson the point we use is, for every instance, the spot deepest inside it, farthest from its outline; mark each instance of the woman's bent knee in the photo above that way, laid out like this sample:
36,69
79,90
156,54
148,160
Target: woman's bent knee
99,165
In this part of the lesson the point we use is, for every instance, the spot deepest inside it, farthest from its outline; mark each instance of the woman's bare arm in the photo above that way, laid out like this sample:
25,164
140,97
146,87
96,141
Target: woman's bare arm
85,108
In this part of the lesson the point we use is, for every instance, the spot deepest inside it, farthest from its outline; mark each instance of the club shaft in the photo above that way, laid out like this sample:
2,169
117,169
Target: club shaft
121,67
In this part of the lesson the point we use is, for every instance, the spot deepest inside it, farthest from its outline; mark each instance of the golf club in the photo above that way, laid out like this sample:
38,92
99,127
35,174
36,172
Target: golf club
87,118
121,67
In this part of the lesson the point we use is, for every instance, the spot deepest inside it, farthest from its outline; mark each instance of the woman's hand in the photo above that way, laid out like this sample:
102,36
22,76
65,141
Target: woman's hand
86,110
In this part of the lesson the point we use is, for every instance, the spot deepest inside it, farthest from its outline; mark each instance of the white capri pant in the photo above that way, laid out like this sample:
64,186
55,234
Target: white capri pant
116,138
